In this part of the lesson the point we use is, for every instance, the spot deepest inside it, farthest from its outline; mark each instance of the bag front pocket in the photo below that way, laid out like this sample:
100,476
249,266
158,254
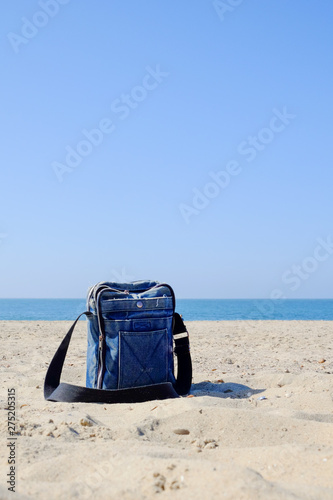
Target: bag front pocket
143,358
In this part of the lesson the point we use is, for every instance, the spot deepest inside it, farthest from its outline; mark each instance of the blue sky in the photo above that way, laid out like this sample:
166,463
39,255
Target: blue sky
188,142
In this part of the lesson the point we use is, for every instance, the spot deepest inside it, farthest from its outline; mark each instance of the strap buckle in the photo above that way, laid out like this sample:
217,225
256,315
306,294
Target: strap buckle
181,335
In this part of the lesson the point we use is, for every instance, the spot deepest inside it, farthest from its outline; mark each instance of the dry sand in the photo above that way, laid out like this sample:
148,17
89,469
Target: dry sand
257,425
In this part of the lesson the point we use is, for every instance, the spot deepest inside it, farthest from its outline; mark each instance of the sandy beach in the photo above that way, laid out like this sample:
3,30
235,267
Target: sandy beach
258,423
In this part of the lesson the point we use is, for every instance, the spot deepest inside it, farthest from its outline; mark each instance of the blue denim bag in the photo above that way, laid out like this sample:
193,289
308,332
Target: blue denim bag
132,331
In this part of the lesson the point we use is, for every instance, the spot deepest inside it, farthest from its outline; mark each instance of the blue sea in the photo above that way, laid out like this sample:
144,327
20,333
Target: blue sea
191,309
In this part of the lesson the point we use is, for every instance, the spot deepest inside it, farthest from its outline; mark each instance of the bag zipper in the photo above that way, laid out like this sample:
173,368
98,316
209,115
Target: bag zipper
100,362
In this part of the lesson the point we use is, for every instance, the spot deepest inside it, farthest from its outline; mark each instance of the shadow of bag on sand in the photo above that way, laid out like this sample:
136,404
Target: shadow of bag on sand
224,390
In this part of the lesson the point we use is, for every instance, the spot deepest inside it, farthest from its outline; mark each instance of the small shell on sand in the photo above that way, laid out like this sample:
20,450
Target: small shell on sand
181,431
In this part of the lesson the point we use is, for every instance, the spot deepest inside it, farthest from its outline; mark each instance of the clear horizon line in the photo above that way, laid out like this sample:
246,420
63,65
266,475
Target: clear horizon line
178,298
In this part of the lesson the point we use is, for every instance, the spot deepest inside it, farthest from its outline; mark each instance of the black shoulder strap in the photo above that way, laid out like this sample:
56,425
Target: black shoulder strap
54,390
182,351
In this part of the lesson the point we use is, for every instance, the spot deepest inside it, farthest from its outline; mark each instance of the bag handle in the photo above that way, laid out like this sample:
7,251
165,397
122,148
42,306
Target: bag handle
54,390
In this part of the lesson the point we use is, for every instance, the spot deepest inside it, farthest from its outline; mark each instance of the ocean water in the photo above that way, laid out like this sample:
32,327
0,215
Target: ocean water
191,309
